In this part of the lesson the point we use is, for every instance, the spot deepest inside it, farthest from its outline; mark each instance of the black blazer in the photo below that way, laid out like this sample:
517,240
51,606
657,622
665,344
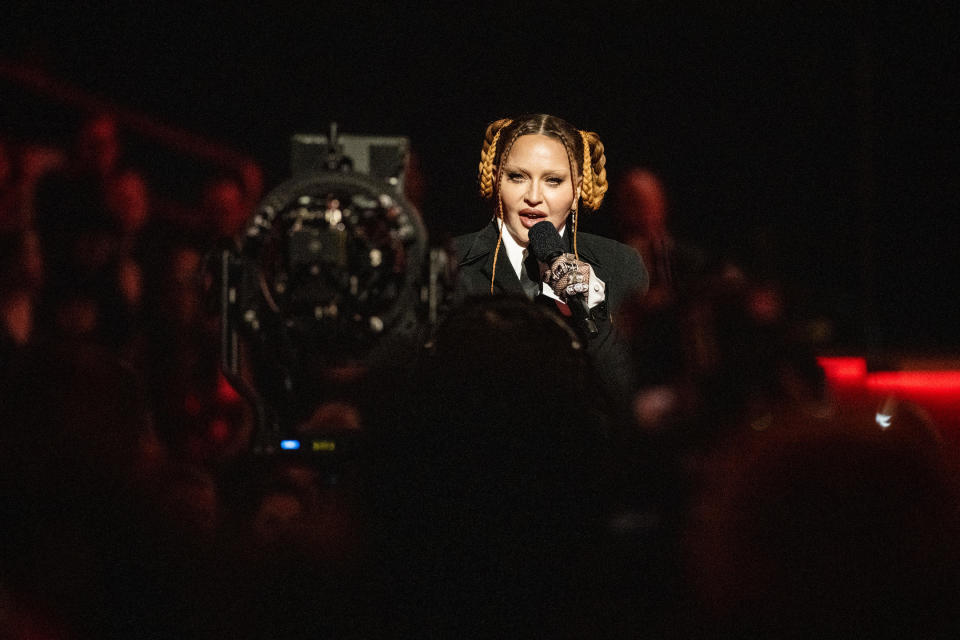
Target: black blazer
619,266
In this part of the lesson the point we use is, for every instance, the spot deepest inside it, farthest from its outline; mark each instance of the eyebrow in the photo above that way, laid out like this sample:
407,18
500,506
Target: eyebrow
562,173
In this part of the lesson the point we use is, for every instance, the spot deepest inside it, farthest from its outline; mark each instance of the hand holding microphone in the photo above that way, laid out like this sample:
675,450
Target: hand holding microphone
569,277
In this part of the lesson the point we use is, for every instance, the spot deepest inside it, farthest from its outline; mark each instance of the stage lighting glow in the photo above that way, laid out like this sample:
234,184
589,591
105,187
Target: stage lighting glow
931,382
290,445
844,370
883,420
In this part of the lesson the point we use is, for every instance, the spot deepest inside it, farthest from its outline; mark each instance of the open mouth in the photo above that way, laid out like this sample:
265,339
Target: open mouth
528,217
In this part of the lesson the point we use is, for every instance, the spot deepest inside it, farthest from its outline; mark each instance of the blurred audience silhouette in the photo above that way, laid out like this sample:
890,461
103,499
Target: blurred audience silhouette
827,527
489,488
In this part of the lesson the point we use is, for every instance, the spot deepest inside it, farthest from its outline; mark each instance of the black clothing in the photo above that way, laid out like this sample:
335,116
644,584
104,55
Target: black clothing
620,267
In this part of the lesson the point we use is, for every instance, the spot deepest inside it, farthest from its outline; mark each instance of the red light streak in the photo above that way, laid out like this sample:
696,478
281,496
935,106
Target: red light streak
928,382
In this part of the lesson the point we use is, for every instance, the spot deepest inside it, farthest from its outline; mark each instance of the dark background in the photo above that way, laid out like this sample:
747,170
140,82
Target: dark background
816,144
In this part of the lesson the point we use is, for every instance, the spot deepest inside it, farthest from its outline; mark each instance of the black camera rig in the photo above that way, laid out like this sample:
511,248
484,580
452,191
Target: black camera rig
333,272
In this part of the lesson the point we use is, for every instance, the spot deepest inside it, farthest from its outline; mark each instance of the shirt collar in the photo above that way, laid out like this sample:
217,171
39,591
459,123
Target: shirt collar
514,251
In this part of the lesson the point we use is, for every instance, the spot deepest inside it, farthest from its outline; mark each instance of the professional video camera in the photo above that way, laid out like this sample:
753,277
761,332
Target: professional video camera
334,274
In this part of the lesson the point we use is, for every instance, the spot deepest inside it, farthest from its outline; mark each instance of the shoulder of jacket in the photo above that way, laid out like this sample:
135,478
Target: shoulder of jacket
470,247
603,249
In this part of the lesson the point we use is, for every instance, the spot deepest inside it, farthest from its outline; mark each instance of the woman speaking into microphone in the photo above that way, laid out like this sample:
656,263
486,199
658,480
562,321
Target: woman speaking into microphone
539,172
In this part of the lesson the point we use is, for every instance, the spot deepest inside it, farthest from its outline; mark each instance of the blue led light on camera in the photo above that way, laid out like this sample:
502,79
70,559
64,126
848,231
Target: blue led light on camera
290,445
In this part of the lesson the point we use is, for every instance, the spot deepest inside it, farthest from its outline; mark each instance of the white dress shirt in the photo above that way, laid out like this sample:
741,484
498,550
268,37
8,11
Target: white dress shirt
517,254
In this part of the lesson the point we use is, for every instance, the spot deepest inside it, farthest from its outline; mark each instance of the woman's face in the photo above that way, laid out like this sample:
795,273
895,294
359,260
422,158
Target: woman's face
536,185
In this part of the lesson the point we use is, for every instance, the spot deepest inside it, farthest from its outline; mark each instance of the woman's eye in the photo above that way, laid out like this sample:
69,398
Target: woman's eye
513,176
555,181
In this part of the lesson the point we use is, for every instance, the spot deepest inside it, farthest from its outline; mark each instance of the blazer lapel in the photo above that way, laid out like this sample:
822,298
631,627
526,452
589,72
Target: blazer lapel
480,256
507,280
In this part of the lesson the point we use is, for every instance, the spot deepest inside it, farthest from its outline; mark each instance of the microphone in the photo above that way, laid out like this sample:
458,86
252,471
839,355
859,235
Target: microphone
546,247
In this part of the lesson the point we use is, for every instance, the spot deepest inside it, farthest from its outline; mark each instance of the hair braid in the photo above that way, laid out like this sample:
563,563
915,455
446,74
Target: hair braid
496,252
596,175
508,145
586,174
488,154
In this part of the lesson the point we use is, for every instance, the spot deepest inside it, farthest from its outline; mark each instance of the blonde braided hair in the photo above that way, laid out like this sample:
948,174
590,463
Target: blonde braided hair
495,187
594,184
485,172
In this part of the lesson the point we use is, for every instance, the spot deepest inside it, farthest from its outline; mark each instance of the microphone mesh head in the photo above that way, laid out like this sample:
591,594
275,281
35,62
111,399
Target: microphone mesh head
544,241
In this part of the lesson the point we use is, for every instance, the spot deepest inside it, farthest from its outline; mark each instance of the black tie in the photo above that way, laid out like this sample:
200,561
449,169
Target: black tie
530,275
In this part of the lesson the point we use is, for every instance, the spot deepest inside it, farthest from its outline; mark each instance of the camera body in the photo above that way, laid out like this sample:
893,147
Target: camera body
333,275
378,157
